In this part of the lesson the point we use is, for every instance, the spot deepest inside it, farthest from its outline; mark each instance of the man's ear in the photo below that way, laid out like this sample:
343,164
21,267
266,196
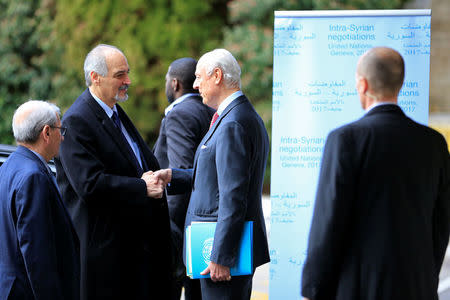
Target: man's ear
95,78
218,75
175,84
46,132
363,86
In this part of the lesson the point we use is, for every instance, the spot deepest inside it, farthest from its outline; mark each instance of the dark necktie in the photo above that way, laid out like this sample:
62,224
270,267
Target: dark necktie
116,120
214,119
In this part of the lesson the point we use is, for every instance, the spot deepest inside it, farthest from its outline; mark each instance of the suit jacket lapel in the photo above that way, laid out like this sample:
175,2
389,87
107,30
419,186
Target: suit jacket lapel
210,132
147,156
112,130
231,106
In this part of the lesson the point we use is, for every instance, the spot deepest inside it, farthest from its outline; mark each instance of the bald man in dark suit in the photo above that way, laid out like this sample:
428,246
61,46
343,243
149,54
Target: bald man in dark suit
381,219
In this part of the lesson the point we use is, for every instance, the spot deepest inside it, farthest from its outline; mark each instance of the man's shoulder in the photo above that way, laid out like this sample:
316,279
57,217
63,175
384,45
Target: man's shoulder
191,106
79,107
241,105
243,118
189,102
193,98
22,166
359,124
369,124
242,111
434,135
347,130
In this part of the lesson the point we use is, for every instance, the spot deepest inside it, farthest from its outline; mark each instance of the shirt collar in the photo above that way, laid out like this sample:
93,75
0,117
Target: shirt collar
103,105
227,101
178,101
379,104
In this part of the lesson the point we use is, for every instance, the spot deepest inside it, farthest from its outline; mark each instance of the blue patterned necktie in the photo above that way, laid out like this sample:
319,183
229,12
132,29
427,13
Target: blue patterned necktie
116,120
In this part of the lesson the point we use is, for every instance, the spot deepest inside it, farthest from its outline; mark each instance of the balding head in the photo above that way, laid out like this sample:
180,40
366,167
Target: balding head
384,70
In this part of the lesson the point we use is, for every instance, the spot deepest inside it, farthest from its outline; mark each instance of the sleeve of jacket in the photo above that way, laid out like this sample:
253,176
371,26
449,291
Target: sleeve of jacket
36,236
181,181
91,179
233,161
441,213
331,220
182,134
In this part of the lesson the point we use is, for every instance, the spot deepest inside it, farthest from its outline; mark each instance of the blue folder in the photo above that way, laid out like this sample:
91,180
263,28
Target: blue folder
199,241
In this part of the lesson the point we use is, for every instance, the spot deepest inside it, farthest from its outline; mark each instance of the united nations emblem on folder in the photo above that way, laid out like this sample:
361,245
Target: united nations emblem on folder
199,243
206,250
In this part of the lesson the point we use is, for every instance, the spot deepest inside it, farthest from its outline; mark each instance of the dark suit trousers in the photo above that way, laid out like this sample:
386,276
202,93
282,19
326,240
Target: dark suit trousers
191,289
239,288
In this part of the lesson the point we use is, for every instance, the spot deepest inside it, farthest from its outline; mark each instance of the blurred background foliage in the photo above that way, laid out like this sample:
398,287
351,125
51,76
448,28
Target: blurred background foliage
43,44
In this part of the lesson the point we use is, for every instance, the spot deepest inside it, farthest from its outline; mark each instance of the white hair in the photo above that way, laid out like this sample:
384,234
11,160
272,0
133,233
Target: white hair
224,60
96,61
31,117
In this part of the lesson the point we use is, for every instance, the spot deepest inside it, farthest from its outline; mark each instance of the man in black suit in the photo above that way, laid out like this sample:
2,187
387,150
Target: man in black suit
185,123
381,218
119,210
39,249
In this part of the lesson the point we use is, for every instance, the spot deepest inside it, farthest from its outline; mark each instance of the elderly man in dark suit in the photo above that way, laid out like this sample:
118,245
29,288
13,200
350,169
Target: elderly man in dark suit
228,175
185,123
39,249
381,218
116,206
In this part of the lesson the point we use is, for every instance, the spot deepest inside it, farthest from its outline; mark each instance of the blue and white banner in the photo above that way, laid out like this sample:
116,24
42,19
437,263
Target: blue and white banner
315,57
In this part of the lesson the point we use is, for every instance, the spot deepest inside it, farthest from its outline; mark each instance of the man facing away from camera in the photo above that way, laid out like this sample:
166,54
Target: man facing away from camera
381,225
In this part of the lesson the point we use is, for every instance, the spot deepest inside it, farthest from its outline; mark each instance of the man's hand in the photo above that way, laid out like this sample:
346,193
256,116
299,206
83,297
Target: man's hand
217,272
155,186
165,175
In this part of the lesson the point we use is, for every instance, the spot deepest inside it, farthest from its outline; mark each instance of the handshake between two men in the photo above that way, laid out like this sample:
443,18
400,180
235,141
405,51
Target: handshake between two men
156,182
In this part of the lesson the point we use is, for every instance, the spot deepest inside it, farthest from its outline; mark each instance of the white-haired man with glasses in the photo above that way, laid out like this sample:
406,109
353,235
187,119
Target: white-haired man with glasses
39,249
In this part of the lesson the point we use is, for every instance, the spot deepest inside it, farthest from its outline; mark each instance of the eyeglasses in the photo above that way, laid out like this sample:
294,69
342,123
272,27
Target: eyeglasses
62,129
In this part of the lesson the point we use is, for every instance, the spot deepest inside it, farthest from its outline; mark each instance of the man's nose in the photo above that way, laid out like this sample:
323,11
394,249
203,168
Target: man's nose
127,80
